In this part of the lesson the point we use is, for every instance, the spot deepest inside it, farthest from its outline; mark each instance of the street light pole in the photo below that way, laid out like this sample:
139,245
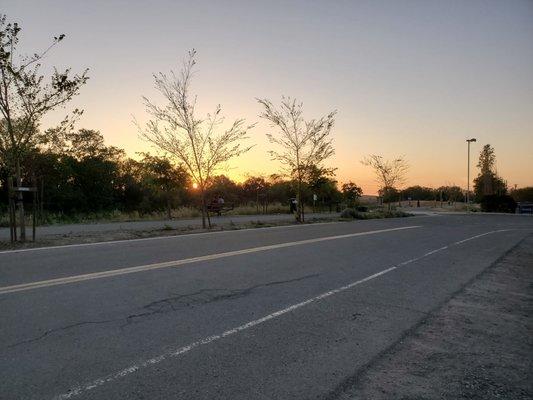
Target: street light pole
468,175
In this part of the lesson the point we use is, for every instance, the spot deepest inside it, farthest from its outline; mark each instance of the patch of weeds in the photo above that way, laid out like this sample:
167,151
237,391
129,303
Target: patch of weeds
232,225
351,213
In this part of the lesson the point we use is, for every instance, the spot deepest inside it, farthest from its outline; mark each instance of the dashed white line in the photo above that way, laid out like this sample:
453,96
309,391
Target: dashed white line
185,349
481,235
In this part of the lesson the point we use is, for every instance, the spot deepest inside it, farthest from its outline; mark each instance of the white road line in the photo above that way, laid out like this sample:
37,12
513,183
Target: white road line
164,237
185,349
481,235
176,263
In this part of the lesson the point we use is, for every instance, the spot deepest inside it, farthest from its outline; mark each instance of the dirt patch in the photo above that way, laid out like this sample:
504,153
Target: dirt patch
478,346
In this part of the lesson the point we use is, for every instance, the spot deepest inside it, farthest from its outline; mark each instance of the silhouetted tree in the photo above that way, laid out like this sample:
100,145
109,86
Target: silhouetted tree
166,182
523,194
25,98
451,193
389,174
488,182
351,193
254,189
303,144
419,193
176,130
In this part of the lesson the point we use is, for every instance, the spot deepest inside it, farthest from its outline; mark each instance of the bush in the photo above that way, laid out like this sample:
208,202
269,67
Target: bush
523,194
348,213
498,203
351,213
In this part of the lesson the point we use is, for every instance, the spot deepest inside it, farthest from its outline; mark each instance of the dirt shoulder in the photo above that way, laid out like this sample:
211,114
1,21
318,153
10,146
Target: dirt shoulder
95,236
478,346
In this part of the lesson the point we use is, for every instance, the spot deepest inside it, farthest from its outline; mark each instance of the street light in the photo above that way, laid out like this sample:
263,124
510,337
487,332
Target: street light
468,174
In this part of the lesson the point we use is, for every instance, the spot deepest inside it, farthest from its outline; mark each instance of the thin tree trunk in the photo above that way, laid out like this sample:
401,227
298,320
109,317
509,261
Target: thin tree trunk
41,201
205,212
20,203
299,205
169,214
204,208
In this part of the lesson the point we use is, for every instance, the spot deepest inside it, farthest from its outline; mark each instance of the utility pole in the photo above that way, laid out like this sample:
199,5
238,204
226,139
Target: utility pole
468,175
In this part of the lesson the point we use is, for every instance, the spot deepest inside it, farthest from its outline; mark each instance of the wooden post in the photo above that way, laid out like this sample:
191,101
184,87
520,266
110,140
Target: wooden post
34,212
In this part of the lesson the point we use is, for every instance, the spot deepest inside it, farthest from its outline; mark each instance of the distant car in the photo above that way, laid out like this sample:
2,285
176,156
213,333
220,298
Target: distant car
524,208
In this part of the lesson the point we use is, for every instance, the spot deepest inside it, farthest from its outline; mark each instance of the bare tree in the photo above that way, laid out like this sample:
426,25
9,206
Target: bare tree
304,144
389,173
25,98
175,129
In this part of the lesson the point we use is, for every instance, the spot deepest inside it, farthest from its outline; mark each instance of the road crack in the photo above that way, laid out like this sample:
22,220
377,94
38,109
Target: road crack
166,305
201,297
63,328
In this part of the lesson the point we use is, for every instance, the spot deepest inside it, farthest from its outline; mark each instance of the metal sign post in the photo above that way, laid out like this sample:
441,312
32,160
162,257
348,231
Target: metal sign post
11,211
12,196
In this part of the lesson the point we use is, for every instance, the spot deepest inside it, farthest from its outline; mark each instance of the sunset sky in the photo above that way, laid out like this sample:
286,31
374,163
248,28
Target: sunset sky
411,78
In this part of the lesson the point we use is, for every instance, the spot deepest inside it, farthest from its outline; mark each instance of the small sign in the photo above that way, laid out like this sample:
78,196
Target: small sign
315,197
24,189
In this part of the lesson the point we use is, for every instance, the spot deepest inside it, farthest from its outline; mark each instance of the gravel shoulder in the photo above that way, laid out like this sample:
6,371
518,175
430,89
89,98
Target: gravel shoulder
479,345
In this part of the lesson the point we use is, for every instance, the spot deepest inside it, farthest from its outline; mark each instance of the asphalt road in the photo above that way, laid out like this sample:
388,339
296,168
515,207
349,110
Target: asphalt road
271,313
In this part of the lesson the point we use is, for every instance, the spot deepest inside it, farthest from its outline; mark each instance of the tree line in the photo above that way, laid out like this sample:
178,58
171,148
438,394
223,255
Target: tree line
78,173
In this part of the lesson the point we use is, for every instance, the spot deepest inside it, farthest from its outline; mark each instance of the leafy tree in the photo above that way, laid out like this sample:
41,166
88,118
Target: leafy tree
389,195
176,130
302,144
418,193
451,193
327,192
223,186
166,182
281,190
488,182
351,193
256,188
25,98
487,159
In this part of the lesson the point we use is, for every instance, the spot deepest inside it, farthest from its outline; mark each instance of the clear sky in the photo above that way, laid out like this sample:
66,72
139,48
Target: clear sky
412,78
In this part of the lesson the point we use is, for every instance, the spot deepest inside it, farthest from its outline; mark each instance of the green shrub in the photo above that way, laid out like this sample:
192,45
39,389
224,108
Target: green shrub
350,213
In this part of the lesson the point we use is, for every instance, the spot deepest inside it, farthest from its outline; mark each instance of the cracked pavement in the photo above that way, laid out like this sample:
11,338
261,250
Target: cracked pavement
169,304
55,339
